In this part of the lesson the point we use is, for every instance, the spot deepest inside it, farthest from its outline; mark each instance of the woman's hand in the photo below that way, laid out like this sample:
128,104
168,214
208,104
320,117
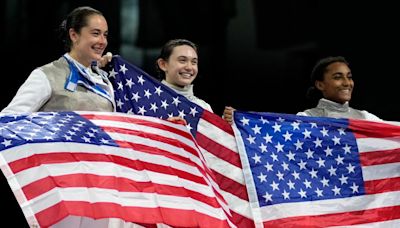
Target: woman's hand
178,120
228,114
105,59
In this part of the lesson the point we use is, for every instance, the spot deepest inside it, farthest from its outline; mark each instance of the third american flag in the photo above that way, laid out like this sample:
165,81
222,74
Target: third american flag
320,172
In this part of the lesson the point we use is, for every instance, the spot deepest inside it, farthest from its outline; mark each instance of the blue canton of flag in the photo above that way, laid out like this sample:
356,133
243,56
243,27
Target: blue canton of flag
294,158
50,127
136,92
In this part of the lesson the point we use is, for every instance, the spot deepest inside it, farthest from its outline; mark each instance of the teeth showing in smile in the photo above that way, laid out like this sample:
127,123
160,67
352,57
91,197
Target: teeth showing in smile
186,75
345,91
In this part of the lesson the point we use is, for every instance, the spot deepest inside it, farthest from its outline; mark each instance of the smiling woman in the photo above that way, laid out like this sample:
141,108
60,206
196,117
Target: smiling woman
332,83
74,82
177,66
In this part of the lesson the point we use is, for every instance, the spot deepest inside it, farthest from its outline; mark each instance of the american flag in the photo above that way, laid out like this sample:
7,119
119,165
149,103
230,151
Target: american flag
95,169
320,172
139,93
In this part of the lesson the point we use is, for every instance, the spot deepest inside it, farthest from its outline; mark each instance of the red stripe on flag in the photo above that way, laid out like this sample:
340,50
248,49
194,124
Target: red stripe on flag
218,122
172,217
367,129
53,158
241,221
380,157
154,137
138,121
218,150
111,182
339,219
383,185
231,186
157,151
61,157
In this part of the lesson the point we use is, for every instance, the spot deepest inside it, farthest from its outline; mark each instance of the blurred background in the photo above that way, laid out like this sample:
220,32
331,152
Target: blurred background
255,55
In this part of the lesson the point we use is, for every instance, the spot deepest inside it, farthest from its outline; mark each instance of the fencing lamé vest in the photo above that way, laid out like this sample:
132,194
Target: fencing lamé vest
61,99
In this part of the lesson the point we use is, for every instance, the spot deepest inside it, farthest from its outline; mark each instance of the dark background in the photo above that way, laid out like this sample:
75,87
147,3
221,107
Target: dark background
254,54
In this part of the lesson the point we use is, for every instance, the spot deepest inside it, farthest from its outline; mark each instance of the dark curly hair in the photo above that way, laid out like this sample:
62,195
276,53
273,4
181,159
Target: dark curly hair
317,74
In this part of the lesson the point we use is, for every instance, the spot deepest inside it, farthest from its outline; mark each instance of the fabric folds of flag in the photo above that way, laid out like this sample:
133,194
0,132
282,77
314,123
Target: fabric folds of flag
139,93
113,169
320,172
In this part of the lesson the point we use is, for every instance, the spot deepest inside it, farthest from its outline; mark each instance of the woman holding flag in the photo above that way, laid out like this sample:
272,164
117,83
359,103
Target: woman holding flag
74,82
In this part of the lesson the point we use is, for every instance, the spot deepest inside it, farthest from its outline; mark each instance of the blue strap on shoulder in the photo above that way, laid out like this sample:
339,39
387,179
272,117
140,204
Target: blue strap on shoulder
76,78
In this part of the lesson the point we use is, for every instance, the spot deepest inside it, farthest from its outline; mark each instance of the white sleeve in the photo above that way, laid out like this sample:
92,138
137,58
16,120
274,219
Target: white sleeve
302,114
370,116
32,95
208,107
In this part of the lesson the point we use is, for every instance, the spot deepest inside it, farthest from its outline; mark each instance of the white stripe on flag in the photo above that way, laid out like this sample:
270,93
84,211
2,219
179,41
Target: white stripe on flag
212,131
384,224
377,144
145,129
223,167
108,169
128,199
377,172
322,207
93,149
